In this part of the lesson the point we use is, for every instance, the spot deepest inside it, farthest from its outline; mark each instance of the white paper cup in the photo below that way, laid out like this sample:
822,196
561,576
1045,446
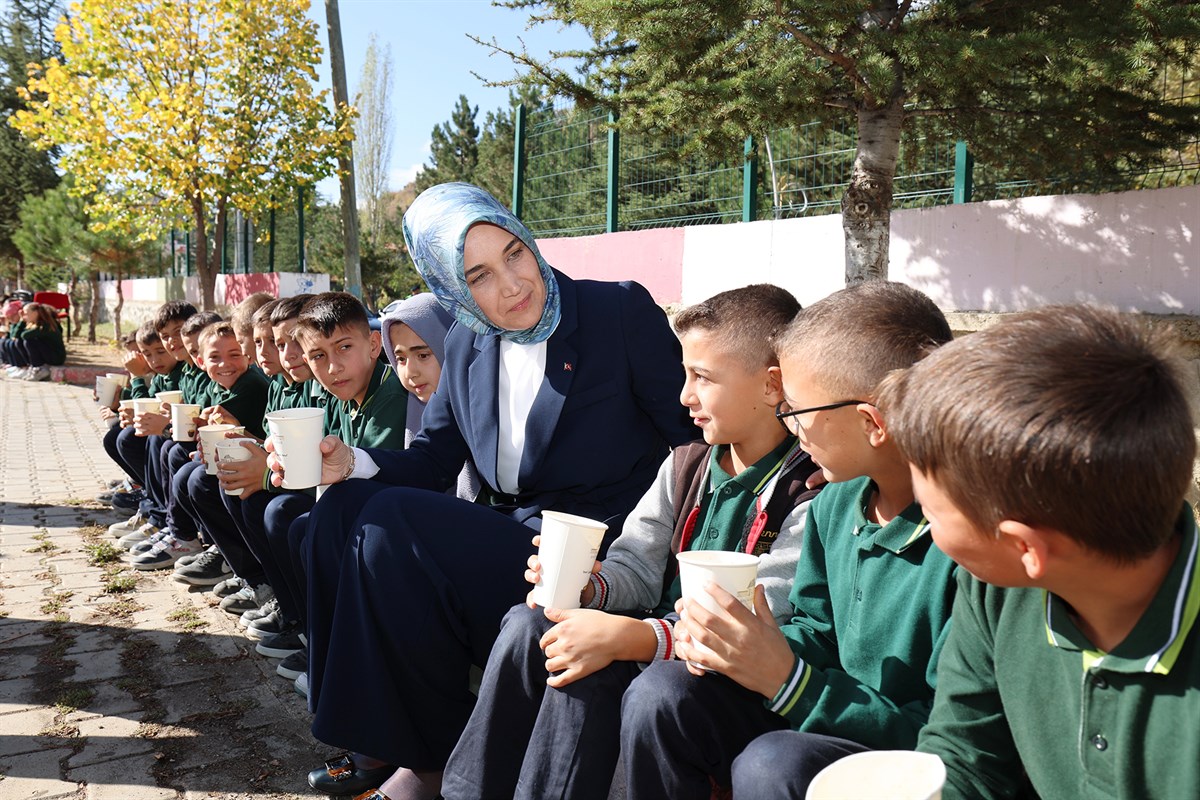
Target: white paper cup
120,377
733,572
567,553
891,774
210,437
171,396
296,435
183,429
144,405
107,391
125,405
234,450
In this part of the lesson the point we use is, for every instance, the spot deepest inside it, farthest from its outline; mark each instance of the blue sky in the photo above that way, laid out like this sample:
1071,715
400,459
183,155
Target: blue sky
433,60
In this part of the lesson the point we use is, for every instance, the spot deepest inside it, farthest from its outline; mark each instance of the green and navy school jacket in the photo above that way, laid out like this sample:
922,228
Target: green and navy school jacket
140,388
245,400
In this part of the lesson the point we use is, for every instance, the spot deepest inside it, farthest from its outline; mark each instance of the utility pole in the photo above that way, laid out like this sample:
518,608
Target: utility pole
337,59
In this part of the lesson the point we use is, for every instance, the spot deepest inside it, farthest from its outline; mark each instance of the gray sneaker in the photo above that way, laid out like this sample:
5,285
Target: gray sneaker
206,569
264,627
229,586
293,666
153,537
250,598
265,610
146,533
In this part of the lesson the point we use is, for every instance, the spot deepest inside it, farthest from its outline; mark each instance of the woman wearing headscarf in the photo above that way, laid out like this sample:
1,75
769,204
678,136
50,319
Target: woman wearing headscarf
565,395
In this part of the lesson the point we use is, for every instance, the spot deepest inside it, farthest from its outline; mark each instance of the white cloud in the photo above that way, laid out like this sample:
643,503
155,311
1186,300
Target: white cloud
398,178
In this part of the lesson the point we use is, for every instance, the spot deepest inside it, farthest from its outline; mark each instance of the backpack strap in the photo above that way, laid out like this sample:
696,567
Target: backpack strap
690,464
788,492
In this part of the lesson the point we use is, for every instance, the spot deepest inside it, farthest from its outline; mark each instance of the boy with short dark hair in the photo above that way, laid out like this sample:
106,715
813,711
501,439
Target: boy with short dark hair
242,319
854,668
239,398
1052,452
741,489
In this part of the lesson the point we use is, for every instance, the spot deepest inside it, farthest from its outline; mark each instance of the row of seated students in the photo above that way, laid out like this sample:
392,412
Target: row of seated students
975,548
32,341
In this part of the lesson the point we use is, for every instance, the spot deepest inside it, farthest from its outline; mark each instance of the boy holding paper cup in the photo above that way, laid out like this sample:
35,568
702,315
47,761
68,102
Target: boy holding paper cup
240,394
854,668
547,723
1052,453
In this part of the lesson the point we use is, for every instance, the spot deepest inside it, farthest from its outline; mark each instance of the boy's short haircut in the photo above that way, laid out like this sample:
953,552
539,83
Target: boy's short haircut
853,338
263,315
289,308
129,339
745,321
328,311
147,334
242,317
198,322
172,311
216,330
1071,418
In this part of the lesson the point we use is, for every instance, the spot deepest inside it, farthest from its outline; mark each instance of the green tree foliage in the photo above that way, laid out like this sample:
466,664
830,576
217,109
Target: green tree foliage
26,35
1050,88
453,148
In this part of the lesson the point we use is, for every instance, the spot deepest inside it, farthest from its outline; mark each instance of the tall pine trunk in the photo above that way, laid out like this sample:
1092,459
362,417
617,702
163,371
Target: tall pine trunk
867,203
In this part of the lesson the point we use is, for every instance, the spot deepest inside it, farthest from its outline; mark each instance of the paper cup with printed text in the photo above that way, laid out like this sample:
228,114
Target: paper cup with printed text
296,435
120,377
183,427
107,391
234,450
895,774
567,552
733,572
171,396
210,437
142,406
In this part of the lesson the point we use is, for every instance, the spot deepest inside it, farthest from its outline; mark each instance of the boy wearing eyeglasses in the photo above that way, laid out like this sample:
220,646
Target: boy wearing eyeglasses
854,668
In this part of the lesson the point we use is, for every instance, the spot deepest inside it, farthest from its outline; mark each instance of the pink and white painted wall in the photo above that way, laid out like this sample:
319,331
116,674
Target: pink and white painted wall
1138,251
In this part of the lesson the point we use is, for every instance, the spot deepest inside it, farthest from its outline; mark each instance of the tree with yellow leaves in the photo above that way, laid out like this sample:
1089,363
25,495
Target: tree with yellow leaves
170,111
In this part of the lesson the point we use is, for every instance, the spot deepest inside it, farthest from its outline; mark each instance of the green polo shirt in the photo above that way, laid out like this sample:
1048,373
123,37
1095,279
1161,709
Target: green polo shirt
1021,686
245,400
872,610
379,420
196,386
140,388
727,506
283,394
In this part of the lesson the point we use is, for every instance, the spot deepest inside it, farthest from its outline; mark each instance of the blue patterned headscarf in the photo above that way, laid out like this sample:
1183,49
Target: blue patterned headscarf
435,227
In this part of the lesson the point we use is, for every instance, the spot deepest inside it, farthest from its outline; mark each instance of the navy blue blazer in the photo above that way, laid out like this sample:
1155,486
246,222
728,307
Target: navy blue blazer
601,423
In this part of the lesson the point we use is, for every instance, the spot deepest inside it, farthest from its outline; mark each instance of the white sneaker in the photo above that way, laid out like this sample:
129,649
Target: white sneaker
119,529
141,535
166,552
38,374
301,684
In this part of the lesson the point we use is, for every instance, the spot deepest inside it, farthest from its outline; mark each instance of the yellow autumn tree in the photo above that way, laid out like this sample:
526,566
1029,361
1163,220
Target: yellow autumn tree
175,111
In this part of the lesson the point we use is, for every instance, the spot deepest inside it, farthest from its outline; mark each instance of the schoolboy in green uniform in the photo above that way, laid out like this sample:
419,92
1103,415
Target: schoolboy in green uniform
196,385
854,670
1052,452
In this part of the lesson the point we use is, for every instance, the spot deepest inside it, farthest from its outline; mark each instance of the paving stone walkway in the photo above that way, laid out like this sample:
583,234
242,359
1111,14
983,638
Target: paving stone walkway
118,685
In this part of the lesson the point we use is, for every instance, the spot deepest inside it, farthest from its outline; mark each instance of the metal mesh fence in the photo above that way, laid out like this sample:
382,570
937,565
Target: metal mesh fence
801,171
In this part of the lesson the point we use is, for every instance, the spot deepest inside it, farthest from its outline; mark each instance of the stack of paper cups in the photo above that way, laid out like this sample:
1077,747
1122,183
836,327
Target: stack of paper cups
234,450
296,435
210,437
120,377
567,552
183,426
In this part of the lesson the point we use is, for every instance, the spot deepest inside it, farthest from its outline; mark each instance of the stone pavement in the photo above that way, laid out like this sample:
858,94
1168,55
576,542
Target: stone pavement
114,684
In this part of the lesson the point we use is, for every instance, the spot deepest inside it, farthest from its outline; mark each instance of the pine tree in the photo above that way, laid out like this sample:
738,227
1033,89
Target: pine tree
453,149
1054,88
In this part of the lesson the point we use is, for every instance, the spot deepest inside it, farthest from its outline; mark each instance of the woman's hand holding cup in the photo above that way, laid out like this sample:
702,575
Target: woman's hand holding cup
337,458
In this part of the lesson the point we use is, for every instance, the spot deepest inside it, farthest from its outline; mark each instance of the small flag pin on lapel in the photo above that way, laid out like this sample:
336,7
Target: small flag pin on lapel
567,366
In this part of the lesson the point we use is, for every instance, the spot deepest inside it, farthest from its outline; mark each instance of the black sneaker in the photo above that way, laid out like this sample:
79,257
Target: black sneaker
293,666
231,585
267,626
248,598
128,501
207,569
281,645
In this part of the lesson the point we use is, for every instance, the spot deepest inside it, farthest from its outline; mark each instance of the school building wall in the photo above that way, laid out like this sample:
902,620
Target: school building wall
144,295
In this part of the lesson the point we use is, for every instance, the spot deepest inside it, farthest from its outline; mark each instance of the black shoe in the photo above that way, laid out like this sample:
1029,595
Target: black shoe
293,666
128,501
341,776
281,645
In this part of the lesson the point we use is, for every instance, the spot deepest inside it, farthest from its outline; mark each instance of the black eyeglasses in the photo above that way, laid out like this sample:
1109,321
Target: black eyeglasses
793,426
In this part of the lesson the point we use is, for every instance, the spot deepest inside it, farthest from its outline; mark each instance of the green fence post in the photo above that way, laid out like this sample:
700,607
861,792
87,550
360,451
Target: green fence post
749,182
518,194
611,223
187,252
224,249
300,226
172,252
964,173
271,239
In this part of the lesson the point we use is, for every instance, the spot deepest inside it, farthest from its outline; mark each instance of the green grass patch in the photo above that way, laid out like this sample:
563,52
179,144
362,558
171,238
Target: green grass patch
102,553
119,584
74,699
55,602
187,618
